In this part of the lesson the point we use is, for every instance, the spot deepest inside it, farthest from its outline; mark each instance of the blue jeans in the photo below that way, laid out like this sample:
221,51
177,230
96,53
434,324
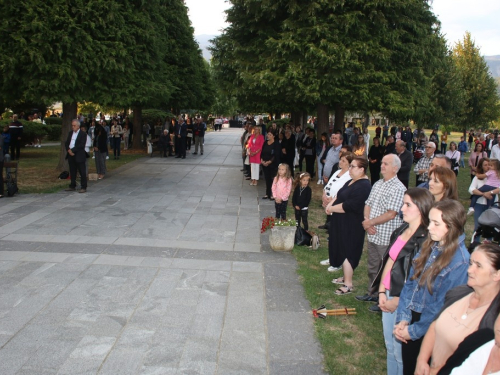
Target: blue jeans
116,145
462,163
320,168
478,210
392,345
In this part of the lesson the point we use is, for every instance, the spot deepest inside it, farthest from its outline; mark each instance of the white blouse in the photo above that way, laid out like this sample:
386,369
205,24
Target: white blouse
336,183
476,362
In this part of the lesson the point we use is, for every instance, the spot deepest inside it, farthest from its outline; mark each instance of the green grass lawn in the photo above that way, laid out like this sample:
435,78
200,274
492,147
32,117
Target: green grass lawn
351,344
38,174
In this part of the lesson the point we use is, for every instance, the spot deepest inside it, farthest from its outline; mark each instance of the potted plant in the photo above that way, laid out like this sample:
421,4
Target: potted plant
282,237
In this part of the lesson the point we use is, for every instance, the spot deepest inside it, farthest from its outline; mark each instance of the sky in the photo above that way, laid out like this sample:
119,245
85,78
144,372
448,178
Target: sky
479,17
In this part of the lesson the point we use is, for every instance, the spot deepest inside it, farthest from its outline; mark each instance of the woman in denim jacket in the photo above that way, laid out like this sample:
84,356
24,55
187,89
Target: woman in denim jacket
394,269
440,266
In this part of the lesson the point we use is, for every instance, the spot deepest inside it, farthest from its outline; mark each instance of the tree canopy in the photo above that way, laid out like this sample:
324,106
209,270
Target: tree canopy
479,87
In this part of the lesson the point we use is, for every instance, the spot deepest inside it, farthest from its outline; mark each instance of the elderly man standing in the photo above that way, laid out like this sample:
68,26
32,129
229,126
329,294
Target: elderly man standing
406,158
438,160
422,167
381,218
332,156
75,145
16,132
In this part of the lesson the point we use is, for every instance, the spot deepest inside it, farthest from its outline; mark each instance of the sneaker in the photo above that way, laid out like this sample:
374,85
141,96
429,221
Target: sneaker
375,309
319,182
367,298
107,157
471,211
93,157
334,269
325,262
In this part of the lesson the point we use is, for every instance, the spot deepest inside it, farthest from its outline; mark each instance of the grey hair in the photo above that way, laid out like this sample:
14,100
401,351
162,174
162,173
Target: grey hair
441,156
396,161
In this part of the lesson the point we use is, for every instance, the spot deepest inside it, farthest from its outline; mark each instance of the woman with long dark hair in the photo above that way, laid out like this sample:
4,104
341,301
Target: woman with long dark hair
439,266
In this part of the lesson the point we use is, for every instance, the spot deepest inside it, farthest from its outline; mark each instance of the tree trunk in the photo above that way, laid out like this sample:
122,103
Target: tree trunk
304,117
277,116
137,141
69,114
366,121
339,118
296,118
323,126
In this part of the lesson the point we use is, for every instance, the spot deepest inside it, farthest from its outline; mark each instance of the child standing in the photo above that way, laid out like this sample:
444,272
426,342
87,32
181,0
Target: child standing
282,187
492,183
301,198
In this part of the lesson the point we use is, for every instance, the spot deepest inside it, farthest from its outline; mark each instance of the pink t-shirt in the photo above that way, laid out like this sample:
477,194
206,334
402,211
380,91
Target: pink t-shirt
393,254
492,179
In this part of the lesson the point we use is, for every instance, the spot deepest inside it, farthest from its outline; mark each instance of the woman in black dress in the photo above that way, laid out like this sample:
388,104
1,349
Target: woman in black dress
347,235
288,149
269,158
375,157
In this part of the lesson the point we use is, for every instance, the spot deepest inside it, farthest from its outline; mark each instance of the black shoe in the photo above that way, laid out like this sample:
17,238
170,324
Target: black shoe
242,170
70,189
248,178
375,309
265,197
201,153
367,298
195,153
177,157
183,157
322,226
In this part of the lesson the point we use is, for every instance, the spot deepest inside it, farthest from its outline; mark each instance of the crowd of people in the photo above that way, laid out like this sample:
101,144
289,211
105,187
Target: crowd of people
433,294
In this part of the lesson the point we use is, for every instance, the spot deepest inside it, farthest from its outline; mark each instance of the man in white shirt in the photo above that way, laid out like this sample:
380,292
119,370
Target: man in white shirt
495,150
76,156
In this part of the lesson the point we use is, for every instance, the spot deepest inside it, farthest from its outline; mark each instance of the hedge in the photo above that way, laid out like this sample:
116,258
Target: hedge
34,130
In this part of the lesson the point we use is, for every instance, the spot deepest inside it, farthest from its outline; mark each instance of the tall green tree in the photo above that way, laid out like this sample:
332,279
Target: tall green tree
71,51
315,54
481,97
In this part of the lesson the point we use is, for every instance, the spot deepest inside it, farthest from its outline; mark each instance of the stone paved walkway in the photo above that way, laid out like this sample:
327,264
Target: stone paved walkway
158,269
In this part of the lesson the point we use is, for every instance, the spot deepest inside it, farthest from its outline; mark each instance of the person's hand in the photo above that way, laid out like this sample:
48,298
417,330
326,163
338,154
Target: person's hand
422,367
401,332
382,299
283,151
297,207
488,195
277,200
371,231
366,224
390,305
325,180
178,135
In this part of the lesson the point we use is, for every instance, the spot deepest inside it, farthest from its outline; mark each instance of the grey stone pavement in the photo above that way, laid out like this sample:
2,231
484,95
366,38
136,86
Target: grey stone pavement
159,269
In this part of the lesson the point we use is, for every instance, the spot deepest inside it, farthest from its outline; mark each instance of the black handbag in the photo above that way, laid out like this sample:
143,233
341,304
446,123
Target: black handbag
302,237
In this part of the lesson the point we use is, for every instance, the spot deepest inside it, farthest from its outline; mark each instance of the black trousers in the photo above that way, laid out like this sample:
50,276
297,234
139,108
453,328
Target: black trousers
310,164
281,210
411,349
180,146
302,215
374,172
188,142
269,174
15,149
74,166
301,159
289,161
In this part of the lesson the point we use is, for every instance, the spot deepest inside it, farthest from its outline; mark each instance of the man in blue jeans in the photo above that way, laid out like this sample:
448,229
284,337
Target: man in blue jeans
462,148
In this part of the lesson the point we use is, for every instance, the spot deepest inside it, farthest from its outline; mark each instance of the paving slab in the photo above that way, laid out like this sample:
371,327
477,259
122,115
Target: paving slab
159,269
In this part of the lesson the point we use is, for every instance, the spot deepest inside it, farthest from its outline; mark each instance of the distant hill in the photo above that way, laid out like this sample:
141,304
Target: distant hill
203,41
494,65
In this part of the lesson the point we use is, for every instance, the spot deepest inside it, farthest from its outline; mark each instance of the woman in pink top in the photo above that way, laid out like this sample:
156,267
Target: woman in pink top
254,148
281,189
395,266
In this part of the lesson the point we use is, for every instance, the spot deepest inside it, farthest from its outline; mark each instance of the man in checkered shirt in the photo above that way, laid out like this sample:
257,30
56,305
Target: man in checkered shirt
422,167
381,218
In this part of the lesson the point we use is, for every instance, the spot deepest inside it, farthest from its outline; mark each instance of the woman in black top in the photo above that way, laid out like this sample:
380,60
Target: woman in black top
100,150
375,157
288,149
309,146
189,136
269,158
